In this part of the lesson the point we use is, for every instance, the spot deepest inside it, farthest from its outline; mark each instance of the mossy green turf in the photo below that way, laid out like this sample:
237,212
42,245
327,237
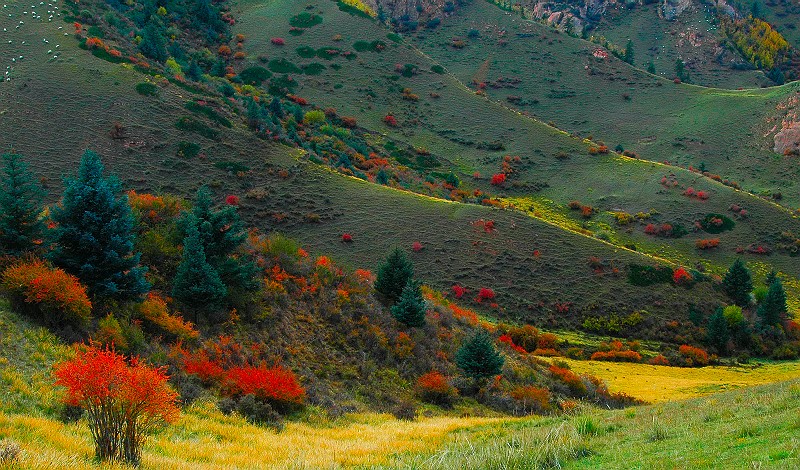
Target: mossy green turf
662,121
368,87
54,109
753,427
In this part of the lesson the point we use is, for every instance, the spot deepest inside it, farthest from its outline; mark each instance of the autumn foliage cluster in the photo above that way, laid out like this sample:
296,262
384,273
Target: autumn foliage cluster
50,292
124,400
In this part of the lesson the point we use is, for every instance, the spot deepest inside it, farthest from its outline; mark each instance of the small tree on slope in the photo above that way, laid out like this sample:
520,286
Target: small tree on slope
197,284
478,357
773,310
394,274
410,309
738,283
20,201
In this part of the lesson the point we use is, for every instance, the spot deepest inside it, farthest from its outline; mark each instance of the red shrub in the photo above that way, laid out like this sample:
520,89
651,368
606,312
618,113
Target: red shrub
507,340
651,229
224,51
433,387
276,385
94,43
689,191
485,294
458,291
278,41
50,292
347,238
681,276
417,246
390,120
232,200
464,314
207,370
123,401
617,356
498,179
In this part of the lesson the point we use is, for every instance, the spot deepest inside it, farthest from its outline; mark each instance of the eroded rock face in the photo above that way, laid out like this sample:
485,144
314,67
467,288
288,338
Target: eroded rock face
787,140
671,9
413,10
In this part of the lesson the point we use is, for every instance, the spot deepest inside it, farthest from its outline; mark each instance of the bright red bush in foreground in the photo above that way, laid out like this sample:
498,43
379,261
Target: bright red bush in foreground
123,401
278,41
276,385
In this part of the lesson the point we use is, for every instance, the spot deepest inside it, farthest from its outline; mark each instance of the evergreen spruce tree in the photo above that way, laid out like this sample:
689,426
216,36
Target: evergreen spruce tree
651,67
410,309
771,277
718,334
221,236
276,108
20,200
478,357
629,54
195,72
94,234
773,310
197,284
153,44
738,283
394,274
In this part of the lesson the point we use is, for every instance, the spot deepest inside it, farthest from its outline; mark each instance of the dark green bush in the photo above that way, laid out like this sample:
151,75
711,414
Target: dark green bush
188,149
283,66
640,275
188,124
146,89
254,75
305,20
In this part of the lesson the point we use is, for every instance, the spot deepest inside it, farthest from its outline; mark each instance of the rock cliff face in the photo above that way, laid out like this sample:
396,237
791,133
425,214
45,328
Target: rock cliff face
671,9
413,11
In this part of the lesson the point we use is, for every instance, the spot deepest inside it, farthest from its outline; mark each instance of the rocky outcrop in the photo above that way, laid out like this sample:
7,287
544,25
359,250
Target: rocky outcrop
412,11
671,9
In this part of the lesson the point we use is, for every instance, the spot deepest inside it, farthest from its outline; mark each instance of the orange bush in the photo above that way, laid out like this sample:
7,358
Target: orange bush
569,378
693,356
659,360
617,356
155,310
49,291
154,209
707,243
533,399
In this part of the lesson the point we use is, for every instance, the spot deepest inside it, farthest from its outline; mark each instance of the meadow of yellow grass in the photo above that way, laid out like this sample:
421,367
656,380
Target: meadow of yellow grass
657,384
205,439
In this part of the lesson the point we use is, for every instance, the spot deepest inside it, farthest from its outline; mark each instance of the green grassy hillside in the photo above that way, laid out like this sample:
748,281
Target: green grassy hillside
318,206
751,427
559,80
